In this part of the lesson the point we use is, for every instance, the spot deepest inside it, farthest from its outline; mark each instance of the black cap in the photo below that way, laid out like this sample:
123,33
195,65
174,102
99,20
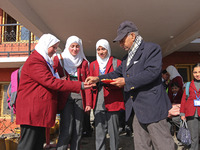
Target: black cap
125,28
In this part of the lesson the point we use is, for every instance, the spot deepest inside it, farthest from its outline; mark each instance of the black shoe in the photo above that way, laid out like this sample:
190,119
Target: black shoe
172,130
87,134
128,131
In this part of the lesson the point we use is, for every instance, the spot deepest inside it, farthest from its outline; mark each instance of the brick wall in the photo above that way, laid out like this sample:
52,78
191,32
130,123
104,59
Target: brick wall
15,47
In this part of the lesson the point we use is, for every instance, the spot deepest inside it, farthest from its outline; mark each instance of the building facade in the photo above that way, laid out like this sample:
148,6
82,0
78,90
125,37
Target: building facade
16,44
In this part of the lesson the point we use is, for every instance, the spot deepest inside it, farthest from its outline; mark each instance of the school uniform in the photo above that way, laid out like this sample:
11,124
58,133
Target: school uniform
176,99
107,102
36,103
192,113
72,108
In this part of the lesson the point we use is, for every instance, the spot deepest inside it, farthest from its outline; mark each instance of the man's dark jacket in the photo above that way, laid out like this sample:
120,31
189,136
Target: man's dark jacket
143,91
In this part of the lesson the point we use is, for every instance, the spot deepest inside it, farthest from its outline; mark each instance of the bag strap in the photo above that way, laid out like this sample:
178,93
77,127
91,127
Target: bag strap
19,73
93,66
61,58
114,63
187,89
9,90
185,123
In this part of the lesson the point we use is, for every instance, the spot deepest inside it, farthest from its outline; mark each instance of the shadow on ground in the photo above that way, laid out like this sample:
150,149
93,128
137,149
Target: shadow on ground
125,142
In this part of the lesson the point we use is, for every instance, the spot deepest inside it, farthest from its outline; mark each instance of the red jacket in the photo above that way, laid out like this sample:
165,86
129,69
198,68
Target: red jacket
36,103
187,106
83,73
113,96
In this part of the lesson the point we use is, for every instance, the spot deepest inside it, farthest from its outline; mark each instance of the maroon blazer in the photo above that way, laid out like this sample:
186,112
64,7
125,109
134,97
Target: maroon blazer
177,98
83,73
113,96
36,103
187,106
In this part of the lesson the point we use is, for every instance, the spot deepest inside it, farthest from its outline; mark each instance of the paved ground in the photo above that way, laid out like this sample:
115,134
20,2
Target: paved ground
125,143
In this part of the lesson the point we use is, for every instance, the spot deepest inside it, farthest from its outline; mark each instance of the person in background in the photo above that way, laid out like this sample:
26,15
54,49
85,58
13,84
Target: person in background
174,113
140,75
177,93
190,108
107,99
174,77
74,64
36,103
165,79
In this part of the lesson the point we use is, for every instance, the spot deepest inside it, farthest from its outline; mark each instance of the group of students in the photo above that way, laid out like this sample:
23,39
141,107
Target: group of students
184,107
58,81
68,84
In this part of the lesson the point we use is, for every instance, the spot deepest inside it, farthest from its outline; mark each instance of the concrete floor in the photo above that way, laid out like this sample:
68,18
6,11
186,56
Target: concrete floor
125,143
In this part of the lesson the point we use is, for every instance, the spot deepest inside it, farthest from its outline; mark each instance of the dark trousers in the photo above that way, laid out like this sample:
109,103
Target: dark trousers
86,124
71,125
32,138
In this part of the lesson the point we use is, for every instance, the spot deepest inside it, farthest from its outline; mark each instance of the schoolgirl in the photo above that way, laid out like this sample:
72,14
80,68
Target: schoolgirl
76,68
190,108
36,103
107,99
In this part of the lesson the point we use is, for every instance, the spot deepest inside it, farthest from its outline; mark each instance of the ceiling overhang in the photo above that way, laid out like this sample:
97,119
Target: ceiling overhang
158,21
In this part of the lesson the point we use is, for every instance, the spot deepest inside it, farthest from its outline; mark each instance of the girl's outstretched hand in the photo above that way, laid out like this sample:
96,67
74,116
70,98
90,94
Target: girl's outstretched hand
88,86
183,118
92,80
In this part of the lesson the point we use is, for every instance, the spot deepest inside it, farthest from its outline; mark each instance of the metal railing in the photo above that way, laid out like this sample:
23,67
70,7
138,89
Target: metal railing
15,40
16,52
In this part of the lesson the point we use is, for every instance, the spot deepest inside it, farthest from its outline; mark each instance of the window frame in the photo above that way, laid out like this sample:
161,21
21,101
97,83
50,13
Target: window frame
18,32
2,96
189,70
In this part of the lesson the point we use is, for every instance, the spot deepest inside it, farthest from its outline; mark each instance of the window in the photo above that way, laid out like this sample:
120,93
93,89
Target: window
12,31
24,34
3,100
9,34
185,71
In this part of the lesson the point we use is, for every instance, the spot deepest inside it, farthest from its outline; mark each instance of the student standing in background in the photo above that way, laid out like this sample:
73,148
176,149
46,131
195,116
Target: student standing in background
190,108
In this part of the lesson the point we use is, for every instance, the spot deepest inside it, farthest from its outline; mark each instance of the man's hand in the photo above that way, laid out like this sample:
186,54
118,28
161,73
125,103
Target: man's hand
91,80
119,82
174,111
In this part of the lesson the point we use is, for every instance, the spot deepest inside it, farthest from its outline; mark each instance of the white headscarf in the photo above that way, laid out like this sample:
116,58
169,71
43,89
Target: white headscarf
172,72
72,62
103,62
46,41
